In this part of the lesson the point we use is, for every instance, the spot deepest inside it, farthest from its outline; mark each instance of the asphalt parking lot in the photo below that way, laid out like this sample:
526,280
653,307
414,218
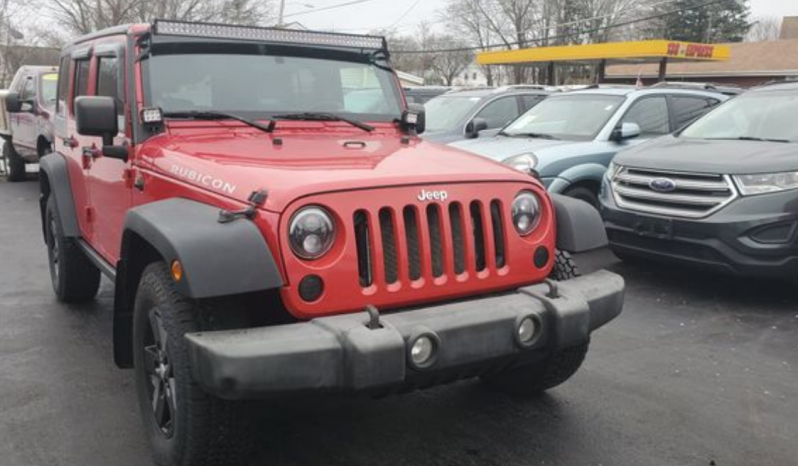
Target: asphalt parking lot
699,370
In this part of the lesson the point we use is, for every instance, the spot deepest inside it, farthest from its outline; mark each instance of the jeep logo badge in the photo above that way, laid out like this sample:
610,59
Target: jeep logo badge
425,195
662,185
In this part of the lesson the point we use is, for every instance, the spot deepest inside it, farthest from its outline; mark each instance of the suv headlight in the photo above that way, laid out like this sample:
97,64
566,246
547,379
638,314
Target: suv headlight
525,212
311,233
751,185
523,163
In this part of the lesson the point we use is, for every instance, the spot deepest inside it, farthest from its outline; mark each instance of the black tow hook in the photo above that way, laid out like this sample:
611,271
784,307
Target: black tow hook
554,289
374,318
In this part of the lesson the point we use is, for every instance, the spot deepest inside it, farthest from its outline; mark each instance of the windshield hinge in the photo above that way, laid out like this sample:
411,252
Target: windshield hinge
256,199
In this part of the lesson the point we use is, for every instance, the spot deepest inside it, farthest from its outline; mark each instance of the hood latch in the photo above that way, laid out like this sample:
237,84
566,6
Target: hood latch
256,199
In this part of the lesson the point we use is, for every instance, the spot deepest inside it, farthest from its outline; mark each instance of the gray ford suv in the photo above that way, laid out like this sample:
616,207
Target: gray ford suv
721,194
570,138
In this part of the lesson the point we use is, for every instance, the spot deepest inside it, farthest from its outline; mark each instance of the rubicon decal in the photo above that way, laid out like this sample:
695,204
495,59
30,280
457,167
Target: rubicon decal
425,195
203,179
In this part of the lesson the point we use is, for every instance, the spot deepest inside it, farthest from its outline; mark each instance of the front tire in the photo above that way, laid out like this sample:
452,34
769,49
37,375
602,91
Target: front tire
15,163
565,267
584,194
75,278
534,379
185,425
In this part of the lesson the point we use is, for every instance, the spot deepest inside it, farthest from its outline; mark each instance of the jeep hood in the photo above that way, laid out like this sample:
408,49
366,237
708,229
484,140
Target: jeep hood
235,161
712,156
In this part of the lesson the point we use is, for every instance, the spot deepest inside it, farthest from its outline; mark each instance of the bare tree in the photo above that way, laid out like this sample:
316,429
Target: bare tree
764,29
85,16
449,64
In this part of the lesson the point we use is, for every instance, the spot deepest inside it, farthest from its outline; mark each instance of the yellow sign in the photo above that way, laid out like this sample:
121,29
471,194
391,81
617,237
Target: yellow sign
647,50
49,77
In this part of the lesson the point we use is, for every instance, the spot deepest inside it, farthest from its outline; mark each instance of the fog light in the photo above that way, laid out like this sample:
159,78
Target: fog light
311,288
422,351
527,331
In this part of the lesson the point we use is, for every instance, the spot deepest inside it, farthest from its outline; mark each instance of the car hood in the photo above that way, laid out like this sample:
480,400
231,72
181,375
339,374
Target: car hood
311,159
499,148
708,156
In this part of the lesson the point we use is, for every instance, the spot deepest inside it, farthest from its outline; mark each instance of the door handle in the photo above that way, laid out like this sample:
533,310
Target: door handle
71,142
91,152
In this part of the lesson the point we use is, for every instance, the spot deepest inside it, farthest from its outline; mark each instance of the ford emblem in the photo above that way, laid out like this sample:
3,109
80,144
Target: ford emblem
662,185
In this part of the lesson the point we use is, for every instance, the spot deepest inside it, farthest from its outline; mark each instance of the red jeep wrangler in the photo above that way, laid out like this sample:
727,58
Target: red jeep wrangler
274,226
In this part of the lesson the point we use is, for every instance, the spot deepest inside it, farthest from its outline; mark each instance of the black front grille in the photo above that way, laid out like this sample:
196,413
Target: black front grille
453,240
436,243
363,244
388,246
411,237
479,236
498,232
458,240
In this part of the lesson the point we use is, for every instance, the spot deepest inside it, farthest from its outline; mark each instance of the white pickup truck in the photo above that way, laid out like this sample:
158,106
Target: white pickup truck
26,118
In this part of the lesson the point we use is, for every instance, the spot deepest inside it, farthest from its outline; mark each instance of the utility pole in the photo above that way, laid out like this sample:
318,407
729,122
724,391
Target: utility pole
280,13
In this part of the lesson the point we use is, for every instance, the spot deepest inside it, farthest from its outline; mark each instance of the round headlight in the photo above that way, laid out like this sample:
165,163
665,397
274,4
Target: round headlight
525,212
523,163
312,233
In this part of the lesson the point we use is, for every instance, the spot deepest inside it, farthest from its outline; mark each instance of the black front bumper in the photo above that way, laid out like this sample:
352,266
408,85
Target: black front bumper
342,353
752,236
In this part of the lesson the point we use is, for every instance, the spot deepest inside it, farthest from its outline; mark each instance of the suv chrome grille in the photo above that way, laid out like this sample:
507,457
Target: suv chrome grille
692,195
432,241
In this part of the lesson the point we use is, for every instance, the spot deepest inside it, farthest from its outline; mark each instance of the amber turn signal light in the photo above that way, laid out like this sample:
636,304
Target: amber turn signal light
177,271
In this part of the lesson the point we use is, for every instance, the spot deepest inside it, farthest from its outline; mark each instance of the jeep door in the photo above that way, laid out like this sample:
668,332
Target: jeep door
109,190
73,81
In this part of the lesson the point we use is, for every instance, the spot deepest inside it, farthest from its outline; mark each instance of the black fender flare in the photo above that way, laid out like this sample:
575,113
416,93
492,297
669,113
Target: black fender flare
56,183
218,259
579,225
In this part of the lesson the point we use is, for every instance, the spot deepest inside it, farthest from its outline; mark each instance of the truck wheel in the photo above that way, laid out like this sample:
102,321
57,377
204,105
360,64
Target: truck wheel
583,194
564,266
16,166
185,425
75,279
535,378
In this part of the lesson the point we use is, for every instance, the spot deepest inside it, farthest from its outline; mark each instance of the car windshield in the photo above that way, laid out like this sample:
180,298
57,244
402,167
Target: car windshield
444,113
245,81
573,117
49,88
766,115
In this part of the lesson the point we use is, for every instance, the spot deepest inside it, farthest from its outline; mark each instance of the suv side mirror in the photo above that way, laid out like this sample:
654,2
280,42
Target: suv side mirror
96,116
414,119
13,104
626,131
474,127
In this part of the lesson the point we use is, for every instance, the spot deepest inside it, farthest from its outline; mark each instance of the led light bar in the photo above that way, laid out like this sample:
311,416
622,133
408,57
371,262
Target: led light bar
261,34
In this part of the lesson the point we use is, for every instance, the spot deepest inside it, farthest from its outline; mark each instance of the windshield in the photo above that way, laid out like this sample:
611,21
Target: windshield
768,115
574,117
244,81
49,88
444,113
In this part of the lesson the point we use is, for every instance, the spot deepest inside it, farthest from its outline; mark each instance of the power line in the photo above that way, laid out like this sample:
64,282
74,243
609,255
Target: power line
565,36
407,12
325,8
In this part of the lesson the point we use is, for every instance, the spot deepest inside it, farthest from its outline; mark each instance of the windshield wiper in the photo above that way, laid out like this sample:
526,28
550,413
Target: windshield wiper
749,138
530,135
214,115
318,116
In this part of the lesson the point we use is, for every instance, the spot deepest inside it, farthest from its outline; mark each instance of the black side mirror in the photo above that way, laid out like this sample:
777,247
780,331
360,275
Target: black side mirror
13,104
414,119
474,127
97,116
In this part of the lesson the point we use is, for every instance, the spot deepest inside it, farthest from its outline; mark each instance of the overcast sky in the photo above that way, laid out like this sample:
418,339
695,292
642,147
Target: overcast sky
405,14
